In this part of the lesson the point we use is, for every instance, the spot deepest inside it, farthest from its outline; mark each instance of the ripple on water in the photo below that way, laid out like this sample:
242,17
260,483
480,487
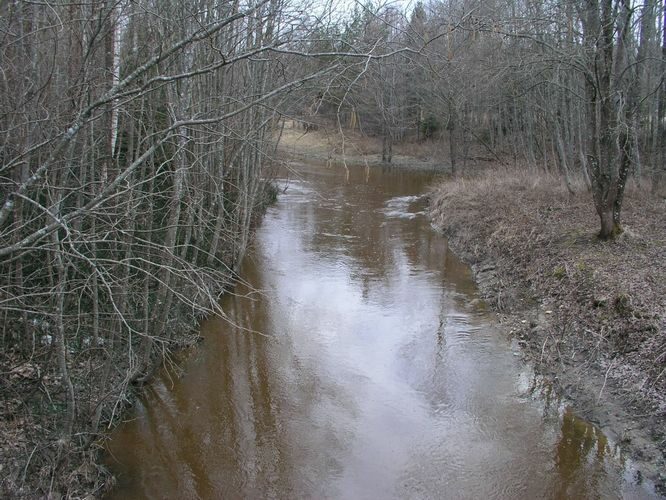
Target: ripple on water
399,207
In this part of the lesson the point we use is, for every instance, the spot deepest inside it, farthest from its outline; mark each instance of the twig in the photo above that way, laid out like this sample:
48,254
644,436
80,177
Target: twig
605,379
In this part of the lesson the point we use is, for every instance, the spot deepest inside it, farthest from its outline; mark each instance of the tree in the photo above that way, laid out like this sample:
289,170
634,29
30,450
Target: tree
135,141
608,149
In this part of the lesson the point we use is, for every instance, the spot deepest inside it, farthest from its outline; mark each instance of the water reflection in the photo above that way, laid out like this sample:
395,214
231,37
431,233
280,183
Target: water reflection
365,368
580,456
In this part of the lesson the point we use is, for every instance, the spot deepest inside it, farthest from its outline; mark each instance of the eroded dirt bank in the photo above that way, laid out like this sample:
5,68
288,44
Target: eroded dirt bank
591,315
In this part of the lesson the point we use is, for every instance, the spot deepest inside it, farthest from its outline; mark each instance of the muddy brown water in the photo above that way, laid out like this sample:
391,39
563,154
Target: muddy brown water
357,362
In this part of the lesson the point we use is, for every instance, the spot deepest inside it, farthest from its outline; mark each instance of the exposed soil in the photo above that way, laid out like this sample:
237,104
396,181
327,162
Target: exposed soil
591,315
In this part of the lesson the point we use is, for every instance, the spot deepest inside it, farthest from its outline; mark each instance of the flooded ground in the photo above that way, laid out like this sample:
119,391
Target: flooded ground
356,361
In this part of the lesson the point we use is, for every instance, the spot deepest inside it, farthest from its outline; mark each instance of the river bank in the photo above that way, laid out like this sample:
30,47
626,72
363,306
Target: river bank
36,460
329,146
590,315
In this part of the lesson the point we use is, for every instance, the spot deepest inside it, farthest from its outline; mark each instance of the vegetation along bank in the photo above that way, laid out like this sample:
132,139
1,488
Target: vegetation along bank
589,313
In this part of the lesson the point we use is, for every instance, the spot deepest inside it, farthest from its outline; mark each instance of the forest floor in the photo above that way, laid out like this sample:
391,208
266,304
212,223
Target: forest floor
589,315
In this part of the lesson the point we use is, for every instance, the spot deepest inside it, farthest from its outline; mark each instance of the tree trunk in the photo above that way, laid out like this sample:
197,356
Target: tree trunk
607,166
659,168
609,228
452,138
387,146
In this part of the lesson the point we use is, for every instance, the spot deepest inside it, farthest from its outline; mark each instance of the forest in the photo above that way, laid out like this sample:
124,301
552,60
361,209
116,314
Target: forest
138,140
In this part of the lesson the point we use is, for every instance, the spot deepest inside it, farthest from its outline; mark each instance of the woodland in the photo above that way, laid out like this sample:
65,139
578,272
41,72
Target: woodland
138,139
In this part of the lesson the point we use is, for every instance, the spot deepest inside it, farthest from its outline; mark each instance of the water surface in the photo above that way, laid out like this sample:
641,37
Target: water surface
356,361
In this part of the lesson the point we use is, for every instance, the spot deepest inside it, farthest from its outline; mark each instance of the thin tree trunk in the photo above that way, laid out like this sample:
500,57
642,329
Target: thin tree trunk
452,139
659,170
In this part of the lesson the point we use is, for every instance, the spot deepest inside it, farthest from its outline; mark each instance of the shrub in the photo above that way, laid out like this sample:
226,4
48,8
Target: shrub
430,126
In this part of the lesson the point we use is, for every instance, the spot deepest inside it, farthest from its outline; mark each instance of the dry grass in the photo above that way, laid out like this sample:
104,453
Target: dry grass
585,309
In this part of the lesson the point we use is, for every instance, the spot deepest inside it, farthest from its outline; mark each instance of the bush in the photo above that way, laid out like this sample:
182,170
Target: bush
430,126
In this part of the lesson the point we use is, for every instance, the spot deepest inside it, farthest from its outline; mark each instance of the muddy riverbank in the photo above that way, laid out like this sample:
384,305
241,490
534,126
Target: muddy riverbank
590,315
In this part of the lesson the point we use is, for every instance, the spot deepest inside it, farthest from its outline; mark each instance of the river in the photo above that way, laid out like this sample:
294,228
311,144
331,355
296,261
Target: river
357,361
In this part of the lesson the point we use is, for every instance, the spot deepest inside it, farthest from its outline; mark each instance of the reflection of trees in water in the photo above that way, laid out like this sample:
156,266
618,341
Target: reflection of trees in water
441,331
580,456
250,397
278,447
543,389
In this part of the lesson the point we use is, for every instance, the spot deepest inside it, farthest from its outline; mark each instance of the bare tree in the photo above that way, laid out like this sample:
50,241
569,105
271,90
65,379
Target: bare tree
135,142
